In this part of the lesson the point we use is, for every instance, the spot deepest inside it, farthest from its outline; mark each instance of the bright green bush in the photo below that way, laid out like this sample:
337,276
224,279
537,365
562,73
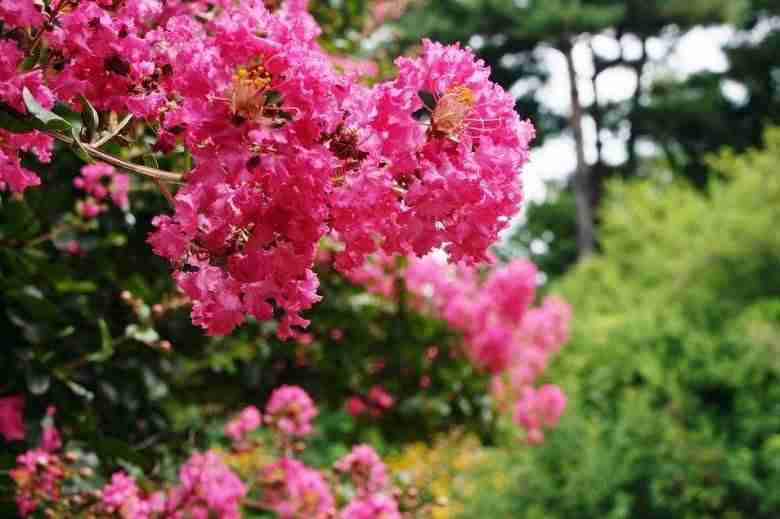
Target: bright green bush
674,363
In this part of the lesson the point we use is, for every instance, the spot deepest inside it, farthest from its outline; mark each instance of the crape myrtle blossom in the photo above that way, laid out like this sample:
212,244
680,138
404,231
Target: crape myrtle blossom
206,485
206,488
50,436
503,334
37,476
286,148
247,420
13,176
539,408
11,417
39,471
293,490
365,469
355,406
102,181
377,506
290,411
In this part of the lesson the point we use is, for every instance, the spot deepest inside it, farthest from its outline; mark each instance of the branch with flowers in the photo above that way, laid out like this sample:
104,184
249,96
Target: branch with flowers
269,149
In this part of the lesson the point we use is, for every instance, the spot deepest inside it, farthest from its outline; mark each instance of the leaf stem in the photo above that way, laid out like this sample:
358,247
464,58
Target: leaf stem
129,166
113,133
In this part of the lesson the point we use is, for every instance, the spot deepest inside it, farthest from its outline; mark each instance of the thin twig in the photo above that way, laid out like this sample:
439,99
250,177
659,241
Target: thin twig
165,191
48,236
255,505
113,133
129,166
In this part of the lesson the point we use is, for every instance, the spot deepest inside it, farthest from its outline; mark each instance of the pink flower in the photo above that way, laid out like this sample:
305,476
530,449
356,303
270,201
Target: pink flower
102,180
50,439
381,398
365,468
74,248
538,409
287,150
377,506
37,476
355,406
290,410
501,330
119,491
11,417
88,209
294,491
20,13
207,487
247,420
355,66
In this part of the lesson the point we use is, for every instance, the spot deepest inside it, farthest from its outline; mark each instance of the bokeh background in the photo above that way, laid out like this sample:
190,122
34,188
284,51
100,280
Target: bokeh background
653,208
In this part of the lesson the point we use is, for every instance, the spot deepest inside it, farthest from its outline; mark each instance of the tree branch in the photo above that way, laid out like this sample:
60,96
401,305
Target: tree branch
115,161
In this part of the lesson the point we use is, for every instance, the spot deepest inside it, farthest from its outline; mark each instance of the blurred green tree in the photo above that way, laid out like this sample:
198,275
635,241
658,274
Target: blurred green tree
673,366
694,116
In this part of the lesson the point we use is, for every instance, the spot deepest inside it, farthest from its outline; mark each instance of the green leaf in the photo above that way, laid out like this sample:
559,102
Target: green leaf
83,152
142,334
80,390
18,221
75,286
106,344
150,161
90,118
49,119
15,122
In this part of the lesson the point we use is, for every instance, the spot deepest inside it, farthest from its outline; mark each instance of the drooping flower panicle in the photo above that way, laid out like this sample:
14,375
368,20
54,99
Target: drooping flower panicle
286,148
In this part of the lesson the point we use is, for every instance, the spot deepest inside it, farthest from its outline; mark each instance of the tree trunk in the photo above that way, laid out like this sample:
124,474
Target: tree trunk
632,163
582,181
598,170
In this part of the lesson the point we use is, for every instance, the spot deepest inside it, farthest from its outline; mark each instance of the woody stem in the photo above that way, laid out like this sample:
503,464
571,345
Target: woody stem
115,161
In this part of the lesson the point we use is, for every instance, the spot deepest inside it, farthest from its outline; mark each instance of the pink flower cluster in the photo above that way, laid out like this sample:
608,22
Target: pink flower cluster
375,403
290,411
286,149
11,417
50,436
538,408
207,488
37,476
385,10
101,181
293,490
121,496
247,420
39,471
377,506
13,176
503,334
365,468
